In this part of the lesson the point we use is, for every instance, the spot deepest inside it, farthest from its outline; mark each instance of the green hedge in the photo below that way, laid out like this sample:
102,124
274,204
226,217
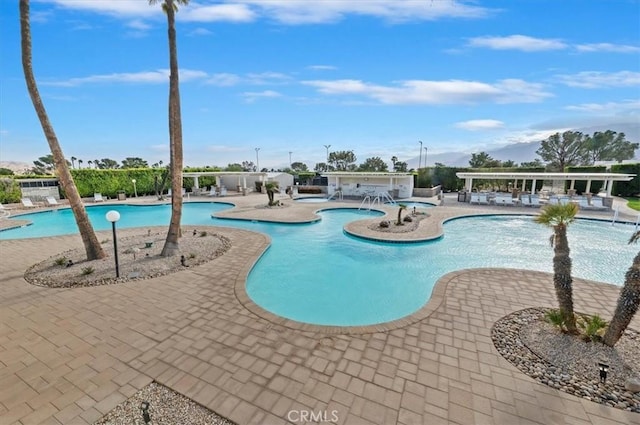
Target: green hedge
630,188
581,185
9,191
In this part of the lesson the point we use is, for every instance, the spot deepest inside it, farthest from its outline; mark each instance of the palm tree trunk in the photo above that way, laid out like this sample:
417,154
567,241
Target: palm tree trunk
171,244
92,246
562,279
628,303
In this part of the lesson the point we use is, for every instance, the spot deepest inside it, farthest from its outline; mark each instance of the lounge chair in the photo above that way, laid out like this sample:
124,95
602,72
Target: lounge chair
223,191
97,197
4,211
213,191
483,199
535,201
51,201
475,198
504,200
584,203
525,200
26,202
597,203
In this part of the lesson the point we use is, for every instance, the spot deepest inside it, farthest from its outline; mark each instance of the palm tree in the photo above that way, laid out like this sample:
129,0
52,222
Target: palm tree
559,217
628,302
271,188
92,246
175,131
80,164
401,207
73,161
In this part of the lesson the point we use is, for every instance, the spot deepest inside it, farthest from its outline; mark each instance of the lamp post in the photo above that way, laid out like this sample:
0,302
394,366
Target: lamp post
327,163
290,158
425,157
135,191
114,216
257,160
604,368
420,159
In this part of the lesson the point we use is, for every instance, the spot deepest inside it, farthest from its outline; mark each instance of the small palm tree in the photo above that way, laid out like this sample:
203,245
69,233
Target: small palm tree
628,302
559,217
271,187
401,207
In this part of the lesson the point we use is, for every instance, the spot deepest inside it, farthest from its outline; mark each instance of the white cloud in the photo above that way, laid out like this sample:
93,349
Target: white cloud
436,92
267,78
597,79
607,47
292,12
479,125
138,24
145,77
224,79
608,107
517,42
200,31
322,67
251,97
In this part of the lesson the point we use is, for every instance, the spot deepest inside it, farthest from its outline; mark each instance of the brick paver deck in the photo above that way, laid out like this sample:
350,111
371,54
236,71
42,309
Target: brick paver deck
70,355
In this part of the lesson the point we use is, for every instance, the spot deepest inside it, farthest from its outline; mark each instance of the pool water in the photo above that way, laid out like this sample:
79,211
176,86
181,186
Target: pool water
315,273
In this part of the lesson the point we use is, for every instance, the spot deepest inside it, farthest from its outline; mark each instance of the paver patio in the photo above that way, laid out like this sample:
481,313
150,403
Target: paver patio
70,355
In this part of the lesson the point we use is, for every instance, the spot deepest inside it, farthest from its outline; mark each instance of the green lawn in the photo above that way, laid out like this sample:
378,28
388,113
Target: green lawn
633,203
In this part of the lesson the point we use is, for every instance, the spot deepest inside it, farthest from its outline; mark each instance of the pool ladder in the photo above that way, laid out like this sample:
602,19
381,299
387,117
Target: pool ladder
337,195
380,198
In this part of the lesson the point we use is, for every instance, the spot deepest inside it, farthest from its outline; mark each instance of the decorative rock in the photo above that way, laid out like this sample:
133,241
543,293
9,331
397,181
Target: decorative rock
632,384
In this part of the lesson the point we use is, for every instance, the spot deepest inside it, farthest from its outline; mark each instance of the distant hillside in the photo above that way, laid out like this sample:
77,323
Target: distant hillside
16,166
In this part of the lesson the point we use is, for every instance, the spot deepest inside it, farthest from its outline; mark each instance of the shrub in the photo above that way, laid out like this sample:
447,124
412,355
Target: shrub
555,318
385,224
592,326
407,218
87,270
192,255
61,261
203,234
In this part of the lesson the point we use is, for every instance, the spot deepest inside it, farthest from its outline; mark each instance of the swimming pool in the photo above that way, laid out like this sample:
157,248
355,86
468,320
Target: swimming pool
315,273
312,199
412,204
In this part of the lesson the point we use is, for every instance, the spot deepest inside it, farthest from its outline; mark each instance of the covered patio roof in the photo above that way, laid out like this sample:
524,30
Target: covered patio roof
608,178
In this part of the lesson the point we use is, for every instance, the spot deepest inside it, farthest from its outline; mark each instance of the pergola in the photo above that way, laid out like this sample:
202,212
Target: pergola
607,178
239,174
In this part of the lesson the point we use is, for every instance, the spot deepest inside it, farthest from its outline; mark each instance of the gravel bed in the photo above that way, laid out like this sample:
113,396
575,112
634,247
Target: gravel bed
165,407
406,227
567,362
138,258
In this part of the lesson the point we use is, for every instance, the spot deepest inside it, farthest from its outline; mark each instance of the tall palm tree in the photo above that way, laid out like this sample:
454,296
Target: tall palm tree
92,246
171,243
628,302
73,161
559,217
80,164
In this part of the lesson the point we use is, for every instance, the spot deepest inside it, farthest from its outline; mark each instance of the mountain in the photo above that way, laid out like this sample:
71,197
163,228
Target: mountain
16,166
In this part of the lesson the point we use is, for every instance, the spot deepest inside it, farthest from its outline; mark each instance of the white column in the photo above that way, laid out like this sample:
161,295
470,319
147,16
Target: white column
573,184
609,187
533,186
218,182
588,189
468,183
524,184
244,182
195,183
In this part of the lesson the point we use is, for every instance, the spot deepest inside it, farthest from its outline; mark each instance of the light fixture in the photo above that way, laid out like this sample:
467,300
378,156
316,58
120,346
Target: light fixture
604,368
144,406
113,216
135,191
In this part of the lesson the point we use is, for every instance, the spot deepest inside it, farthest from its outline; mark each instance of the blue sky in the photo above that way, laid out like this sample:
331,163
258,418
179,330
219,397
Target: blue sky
372,76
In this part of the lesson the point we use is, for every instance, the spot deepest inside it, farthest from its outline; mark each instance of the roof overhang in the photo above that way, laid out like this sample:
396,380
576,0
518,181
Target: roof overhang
547,176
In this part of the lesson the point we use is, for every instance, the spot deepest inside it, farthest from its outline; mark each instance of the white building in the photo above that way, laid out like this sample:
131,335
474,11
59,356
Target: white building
360,184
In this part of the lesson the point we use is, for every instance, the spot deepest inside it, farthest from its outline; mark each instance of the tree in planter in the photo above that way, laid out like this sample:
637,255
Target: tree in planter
559,217
628,302
92,246
271,188
400,208
171,244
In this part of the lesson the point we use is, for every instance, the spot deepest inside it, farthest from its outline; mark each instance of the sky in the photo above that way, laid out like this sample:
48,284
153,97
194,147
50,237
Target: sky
274,81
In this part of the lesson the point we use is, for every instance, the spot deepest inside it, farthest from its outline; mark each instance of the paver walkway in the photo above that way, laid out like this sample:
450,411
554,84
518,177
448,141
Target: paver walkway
70,355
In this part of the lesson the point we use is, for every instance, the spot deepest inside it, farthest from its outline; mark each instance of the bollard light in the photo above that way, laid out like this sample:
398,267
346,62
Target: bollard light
113,216
604,368
144,406
135,191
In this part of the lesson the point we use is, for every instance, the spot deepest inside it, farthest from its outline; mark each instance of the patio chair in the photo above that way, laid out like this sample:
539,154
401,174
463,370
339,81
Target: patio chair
223,191
525,200
97,197
535,201
214,191
483,199
26,202
4,211
475,198
51,201
597,203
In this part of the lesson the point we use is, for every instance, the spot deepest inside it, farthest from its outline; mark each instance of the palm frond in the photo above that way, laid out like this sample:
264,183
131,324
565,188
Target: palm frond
635,237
